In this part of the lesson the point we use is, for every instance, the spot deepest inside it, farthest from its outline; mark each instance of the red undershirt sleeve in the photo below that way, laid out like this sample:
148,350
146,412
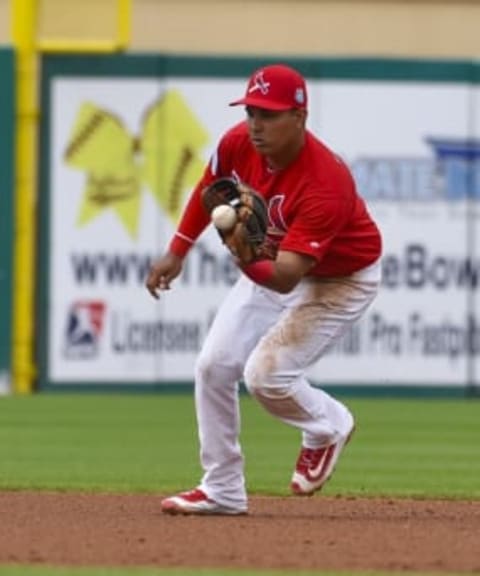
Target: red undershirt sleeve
260,272
195,218
193,222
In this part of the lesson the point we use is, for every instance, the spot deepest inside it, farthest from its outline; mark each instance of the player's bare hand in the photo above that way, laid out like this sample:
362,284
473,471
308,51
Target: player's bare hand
161,274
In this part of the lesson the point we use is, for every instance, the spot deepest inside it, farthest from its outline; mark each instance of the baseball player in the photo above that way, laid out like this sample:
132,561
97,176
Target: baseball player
314,273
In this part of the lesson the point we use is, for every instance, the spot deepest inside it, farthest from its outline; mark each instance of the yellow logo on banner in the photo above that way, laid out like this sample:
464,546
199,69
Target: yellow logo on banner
165,157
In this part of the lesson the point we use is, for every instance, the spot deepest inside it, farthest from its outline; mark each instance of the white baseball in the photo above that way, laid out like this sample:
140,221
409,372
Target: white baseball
224,217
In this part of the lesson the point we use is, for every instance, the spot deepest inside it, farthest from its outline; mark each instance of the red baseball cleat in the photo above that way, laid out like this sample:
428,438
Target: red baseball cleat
315,466
197,502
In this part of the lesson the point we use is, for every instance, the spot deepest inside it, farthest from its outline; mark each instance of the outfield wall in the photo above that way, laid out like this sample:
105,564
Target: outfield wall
123,140
407,28
6,211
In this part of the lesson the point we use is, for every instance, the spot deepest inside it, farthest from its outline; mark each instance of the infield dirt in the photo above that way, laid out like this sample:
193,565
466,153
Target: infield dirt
319,532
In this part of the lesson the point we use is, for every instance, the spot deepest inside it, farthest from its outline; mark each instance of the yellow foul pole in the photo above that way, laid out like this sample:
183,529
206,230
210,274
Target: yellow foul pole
28,46
124,11
23,34
120,42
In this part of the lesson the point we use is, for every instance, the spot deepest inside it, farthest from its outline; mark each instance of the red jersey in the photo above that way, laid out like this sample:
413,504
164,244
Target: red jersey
313,205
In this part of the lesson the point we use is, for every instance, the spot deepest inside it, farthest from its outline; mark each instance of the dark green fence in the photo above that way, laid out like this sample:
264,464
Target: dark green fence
6,208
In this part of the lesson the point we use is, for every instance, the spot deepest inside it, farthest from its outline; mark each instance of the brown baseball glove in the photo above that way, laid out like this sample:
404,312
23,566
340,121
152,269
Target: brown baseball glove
245,232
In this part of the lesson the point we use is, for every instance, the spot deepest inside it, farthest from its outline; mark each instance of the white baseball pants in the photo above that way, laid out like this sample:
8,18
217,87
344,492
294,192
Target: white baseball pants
268,340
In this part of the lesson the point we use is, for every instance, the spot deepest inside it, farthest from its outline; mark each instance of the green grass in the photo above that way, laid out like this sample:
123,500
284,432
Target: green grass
148,443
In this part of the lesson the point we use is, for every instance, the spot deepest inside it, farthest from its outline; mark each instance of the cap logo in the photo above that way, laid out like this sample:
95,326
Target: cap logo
259,83
299,96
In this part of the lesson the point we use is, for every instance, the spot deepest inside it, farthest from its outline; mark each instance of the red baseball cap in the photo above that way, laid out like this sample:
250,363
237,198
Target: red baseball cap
275,87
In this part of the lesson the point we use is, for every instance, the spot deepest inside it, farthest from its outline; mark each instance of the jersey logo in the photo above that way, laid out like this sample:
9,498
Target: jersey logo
258,83
235,176
275,216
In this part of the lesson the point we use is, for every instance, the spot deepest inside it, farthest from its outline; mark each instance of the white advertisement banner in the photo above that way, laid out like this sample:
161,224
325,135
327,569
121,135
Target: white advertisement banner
125,154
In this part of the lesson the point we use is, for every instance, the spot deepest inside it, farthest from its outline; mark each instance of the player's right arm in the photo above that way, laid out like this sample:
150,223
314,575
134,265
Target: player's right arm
192,223
163,271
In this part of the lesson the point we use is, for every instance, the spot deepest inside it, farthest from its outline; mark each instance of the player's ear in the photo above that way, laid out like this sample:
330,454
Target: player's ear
300,115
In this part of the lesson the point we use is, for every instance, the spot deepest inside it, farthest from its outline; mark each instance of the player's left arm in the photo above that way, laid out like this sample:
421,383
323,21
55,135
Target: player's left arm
281,274
310,234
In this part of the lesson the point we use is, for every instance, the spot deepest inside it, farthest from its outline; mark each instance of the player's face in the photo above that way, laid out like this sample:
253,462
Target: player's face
276,134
